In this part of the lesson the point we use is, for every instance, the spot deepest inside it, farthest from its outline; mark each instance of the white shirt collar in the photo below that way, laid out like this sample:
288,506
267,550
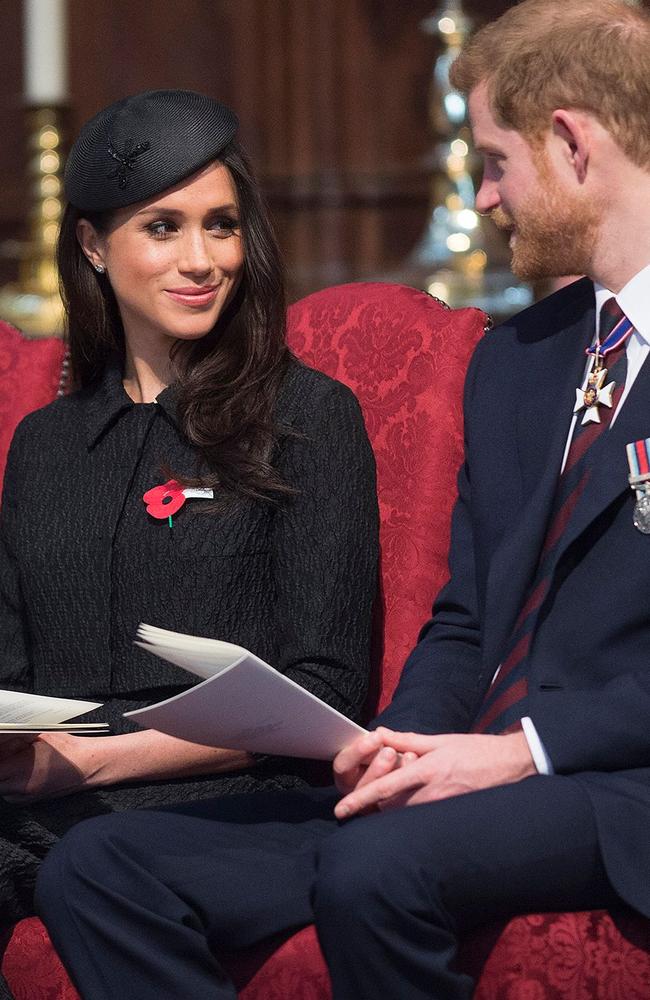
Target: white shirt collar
633,299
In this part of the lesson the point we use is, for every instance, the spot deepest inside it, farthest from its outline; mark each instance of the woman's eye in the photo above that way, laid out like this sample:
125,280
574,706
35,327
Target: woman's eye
224,227
159,230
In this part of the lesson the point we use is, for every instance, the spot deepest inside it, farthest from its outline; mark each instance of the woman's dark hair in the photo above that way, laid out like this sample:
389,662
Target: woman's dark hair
228,381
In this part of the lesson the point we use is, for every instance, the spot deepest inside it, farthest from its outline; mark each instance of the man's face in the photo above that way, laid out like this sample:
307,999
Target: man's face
552,225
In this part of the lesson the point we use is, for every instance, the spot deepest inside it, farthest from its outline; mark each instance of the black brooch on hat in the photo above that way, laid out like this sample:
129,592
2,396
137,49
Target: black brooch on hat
126,160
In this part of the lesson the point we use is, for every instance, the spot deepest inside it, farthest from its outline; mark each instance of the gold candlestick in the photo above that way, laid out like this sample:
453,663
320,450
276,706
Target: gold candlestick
456,259
33,303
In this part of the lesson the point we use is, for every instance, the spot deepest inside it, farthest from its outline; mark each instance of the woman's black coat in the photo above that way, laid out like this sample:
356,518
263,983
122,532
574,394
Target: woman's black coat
82,563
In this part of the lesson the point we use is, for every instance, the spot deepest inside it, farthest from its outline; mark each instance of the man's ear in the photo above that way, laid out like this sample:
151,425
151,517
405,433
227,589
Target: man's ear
91,243
570,129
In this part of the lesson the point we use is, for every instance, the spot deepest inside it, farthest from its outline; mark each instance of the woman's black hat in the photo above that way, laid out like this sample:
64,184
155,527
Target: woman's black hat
143,144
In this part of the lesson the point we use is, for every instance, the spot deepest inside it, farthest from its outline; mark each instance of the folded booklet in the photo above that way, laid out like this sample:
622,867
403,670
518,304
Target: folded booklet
22,713
242,703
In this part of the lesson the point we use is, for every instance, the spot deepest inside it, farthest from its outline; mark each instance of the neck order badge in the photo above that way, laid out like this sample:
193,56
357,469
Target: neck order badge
615,328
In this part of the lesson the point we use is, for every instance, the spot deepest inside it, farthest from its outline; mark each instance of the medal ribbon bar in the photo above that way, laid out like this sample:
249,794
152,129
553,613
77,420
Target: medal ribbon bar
638,457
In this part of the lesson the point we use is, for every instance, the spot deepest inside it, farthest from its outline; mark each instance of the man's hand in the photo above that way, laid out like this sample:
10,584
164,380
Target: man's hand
367,758
46,766
437,768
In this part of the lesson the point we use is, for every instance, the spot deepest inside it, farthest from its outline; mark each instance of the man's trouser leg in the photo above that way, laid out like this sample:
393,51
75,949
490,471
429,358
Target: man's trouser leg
138,902
395,890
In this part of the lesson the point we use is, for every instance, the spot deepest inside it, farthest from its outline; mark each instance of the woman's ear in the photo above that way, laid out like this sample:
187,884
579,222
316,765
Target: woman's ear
91,244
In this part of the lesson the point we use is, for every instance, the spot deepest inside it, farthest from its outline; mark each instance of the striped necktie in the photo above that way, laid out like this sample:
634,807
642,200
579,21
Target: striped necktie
505,702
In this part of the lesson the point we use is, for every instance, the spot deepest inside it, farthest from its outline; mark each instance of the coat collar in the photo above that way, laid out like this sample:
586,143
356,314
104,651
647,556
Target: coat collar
107,400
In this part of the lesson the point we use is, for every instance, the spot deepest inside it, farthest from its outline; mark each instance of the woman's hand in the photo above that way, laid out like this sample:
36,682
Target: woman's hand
15,742
57,764
47,765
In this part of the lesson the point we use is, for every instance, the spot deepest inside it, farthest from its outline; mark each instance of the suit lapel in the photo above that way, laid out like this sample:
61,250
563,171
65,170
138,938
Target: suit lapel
556,364
609,469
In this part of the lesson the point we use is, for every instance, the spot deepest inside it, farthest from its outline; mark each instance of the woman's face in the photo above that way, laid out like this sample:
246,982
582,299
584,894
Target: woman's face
173,261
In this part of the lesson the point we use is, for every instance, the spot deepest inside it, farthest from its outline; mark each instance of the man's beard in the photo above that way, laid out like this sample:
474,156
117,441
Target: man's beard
554,235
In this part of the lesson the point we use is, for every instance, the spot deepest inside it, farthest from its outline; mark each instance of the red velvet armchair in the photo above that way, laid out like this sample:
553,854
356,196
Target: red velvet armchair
30,376
403,353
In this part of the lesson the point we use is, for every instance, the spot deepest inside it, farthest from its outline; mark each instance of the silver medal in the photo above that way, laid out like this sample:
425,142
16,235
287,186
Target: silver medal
642,514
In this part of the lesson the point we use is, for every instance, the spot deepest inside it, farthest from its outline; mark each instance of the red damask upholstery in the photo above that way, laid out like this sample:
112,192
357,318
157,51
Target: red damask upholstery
404,355
29,377
562,956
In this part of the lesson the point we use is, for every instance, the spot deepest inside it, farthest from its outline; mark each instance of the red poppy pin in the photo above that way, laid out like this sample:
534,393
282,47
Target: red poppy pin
165,501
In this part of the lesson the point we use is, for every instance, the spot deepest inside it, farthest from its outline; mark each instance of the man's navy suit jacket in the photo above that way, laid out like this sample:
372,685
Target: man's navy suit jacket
589,662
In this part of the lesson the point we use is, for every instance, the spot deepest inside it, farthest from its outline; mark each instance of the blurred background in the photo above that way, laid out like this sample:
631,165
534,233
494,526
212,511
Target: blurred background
361,149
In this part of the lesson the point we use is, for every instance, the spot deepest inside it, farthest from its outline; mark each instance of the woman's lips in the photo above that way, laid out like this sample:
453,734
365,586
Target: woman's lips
194,297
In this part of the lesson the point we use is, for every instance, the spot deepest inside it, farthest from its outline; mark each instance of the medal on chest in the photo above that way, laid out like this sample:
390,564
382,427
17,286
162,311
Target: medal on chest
598,391
638,458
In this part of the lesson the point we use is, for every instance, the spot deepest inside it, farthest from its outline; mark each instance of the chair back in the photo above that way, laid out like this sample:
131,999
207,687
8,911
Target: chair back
30,371
404,354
